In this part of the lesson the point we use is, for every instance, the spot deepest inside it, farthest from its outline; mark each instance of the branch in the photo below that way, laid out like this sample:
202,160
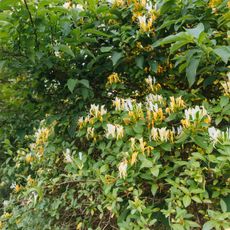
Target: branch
32,23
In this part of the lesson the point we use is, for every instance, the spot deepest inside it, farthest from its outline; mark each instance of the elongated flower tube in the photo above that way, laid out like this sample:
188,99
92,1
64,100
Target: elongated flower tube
218,136
226,86
111,131
122,168
120,131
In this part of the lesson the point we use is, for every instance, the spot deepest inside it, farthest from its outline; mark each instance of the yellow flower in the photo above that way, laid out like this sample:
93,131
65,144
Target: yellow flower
113,79
79,225
145,24
214,3
17,188
30,181
7,215
185,123
109,179
29,158
133,158
142,145
122,168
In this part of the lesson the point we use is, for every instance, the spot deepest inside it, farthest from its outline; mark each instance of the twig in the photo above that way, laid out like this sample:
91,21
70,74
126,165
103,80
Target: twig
32,23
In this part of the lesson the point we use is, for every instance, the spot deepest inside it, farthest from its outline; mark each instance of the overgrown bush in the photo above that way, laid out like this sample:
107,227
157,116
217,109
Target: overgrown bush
133,98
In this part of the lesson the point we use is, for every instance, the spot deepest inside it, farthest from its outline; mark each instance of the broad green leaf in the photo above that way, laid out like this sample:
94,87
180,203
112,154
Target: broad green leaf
155,170
145,163
224,101
182,36
208,225
223,52
140,62
186,200
66,49
177,227
153,66
116,56
71,83
195,32
96,32
191,70
84,82
154,188
223,205
106,49
200,141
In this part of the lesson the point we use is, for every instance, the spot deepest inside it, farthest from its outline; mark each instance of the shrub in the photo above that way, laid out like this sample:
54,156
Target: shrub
136,97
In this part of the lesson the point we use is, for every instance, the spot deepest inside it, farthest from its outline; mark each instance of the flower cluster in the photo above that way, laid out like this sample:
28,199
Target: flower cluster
113,79
226,86
41,137
218,136
115,131
193,116
95,112
175,104
214,3
152,85
162,134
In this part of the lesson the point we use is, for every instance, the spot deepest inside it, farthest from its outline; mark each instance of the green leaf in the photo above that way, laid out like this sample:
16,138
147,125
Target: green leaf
200,141
224,101
155,170
186,201
138,128
71,83
154,188
182,36
177,227
195,32
196,199
191,70
140,62
116,56
153,66
96,32
106,49
208,225
2,63
223,206
66,49
84,82
145,163
223,52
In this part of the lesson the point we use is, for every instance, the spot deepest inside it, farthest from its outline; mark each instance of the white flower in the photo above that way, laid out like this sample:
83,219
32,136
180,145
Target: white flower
67,5
96,111
122,167
179,130
13,185
163,134
133,140
128,105
214,134
68,158
120,131
194,113
90,132
79,7
80,155
103,110
111,130
149,6
142,20
154,134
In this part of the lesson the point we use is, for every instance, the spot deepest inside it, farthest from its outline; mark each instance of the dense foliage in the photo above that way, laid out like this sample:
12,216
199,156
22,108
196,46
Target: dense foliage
115,114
